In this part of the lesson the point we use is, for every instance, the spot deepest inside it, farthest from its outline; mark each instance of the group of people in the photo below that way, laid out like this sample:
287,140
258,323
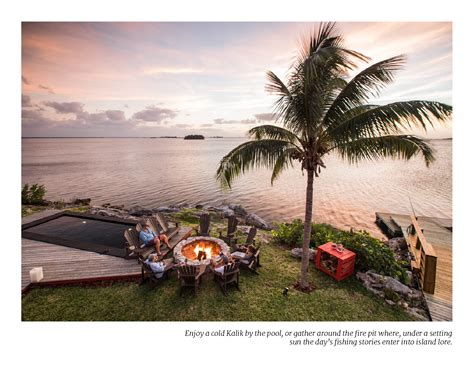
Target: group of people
149,238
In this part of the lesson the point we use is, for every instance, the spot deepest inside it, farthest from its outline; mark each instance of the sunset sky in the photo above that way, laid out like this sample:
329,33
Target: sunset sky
155,79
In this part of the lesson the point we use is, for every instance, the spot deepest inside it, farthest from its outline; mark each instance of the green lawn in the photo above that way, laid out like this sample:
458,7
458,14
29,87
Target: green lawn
260,299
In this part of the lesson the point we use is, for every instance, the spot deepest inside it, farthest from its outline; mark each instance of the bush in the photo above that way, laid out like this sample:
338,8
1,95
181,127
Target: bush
371,253
33,195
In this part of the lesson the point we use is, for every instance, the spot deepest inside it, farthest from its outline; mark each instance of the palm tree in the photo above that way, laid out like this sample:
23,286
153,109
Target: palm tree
321,112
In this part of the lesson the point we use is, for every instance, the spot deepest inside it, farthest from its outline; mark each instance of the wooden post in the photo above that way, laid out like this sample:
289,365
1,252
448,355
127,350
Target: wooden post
425,258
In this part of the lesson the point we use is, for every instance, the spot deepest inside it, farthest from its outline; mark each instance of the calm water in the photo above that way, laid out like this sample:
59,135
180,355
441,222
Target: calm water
157,172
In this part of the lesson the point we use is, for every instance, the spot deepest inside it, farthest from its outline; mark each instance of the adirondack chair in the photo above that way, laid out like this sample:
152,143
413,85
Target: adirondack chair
231,230
133,245
158,221
204,224
252,263
250,240
230,276
163,248
147,273
190,276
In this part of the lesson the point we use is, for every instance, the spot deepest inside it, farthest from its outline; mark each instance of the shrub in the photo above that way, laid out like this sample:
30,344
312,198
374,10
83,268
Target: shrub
371,253
33,195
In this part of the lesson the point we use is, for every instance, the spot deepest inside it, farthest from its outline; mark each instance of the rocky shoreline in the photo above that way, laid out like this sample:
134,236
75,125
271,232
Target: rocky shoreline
224,211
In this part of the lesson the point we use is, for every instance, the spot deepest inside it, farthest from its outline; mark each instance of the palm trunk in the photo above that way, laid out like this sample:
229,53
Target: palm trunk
307,230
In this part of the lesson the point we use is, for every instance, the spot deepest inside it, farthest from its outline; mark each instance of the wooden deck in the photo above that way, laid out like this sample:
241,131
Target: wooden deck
437,232
67,265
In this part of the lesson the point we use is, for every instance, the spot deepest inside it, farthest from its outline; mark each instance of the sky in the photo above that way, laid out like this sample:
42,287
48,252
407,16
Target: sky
172,79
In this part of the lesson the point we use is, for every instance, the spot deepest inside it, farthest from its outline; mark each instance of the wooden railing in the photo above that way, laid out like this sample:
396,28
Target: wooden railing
425,256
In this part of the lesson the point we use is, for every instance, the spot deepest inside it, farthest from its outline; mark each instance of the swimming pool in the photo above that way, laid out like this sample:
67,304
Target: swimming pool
93,233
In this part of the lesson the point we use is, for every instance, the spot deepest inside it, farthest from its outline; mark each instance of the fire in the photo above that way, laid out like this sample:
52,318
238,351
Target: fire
201,248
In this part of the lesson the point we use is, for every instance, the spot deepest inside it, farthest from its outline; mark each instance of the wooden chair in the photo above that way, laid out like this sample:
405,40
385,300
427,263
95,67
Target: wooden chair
252,262
250,240
251,236
190,276
148,274
204,224
133,245
163,248
159,223
231,230
230,276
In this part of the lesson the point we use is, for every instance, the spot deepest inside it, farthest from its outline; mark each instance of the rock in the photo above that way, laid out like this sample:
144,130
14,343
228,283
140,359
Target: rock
82,201
140,211
397,244
393,291
239,210
108,212
199,207
228,212
298,253
167,209
397,286
418,314
254,220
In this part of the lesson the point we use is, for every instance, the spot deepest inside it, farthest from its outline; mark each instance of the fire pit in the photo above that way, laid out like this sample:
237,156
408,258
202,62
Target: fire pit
199,250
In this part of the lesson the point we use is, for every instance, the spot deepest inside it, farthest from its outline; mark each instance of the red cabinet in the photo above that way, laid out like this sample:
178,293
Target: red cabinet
336,264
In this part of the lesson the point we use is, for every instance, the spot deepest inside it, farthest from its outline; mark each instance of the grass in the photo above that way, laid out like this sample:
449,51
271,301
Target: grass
260,299
27,210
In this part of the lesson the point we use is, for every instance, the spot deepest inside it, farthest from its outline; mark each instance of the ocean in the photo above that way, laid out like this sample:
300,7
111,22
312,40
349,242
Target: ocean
153,172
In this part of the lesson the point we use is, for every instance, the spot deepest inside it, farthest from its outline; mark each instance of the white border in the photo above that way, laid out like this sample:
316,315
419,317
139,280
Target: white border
115,343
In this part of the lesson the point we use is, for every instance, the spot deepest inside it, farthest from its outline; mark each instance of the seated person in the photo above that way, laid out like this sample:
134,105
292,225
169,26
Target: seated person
157,267
221,261
244,256
148,238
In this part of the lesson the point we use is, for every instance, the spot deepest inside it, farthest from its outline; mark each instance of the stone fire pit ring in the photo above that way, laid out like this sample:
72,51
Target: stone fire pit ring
178,249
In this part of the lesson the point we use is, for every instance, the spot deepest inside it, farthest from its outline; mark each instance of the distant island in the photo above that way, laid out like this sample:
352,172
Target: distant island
168,137
194,137
216,137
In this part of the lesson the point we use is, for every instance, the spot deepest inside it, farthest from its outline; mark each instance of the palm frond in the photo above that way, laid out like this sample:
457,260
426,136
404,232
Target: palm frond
392,118
271,132
364,85
394,146
284,161
250,155
325,37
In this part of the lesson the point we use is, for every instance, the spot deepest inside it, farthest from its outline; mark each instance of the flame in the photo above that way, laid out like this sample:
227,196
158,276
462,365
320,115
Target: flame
201,248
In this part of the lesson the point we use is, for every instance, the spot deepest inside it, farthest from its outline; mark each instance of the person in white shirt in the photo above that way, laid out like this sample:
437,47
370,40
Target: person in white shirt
221,262
157,267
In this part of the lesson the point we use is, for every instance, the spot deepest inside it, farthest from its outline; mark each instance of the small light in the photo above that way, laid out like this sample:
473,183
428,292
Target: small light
84,222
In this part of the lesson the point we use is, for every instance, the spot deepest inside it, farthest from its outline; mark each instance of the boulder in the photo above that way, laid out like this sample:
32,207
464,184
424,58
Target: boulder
108,212
166,209
82,201
238,209
396,286
254,220
298,253
140,211
394,292
397,244
228,212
